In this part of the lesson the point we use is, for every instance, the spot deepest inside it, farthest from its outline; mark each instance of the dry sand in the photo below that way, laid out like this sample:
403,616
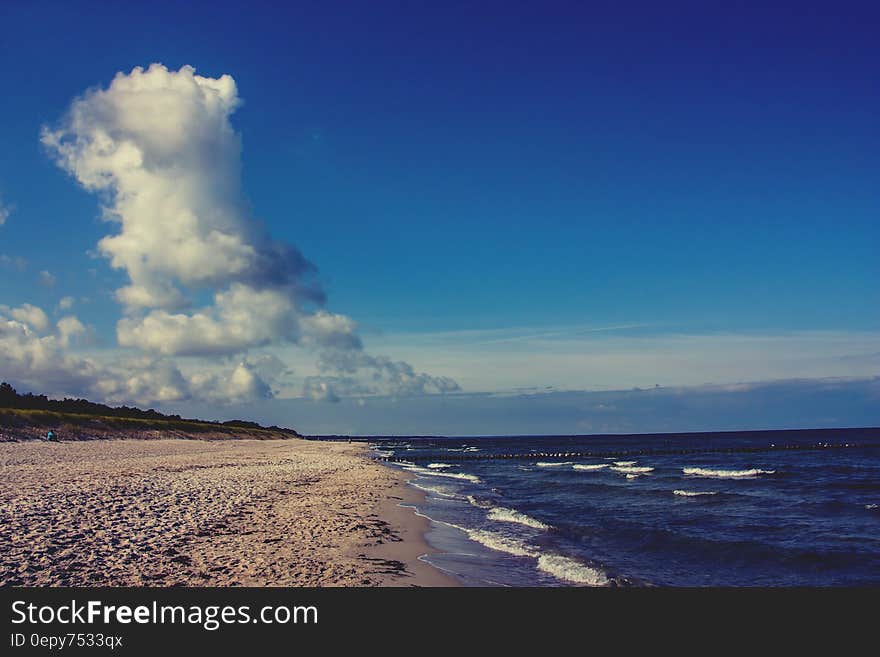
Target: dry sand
206,513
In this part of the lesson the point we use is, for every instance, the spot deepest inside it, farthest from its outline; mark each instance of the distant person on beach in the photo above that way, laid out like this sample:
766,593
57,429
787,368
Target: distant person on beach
50,436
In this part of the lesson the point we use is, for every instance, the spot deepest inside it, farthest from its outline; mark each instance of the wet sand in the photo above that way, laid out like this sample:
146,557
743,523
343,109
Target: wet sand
206,513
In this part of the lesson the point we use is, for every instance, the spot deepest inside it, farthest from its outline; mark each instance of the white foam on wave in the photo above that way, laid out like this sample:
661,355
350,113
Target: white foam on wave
480,504
624,463
590,466
693,493
440,490
725,474
568,569
437,473
511,515
871,507
500,542
633,476
458,475
439,466
561,567
632,469
551,464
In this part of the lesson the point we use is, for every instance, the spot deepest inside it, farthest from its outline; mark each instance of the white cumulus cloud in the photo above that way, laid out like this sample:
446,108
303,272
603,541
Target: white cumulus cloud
69,328
34,356
32,316
160,144
158,148
38,356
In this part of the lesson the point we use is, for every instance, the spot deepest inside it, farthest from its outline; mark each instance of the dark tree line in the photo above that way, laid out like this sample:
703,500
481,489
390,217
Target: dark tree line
10,398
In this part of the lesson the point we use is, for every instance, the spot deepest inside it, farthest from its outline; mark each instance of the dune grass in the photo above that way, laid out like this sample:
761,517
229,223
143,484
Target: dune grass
30,419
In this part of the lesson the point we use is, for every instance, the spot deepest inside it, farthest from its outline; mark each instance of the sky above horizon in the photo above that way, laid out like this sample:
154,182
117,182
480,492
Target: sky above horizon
352,217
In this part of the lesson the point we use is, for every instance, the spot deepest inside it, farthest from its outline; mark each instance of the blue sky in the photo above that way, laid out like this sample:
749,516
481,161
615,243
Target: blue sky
552,197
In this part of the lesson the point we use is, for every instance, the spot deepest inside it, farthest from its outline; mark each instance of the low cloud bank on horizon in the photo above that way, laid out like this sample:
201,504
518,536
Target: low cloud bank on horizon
787,404
158,149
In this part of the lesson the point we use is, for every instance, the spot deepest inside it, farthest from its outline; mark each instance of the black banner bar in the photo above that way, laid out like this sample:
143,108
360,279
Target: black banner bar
396,621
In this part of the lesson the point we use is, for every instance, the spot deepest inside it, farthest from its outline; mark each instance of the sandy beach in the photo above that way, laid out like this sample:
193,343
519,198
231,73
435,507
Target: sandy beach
206,513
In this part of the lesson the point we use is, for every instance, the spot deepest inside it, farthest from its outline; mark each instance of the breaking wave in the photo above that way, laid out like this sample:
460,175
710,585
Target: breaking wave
570,570
546,464
725,474
632,469
511,515
590,466
437,473
480,504
560,567
440,490
499,542
693,493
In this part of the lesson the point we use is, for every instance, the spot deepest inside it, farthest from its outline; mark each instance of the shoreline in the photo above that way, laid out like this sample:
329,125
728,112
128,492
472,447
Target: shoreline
235,512
398,509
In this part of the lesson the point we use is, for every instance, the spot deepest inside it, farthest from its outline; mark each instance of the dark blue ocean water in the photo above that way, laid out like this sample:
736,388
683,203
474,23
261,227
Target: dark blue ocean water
780,517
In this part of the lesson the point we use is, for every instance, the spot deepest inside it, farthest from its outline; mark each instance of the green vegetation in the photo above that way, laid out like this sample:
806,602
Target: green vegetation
82,417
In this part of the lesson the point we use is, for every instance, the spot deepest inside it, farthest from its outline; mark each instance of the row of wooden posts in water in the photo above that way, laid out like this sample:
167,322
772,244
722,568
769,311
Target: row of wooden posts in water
619,453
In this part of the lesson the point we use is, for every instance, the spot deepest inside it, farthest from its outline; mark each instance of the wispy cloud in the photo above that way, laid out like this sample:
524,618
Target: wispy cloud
574,359
47,279
66,303
527,335
5,211
16,263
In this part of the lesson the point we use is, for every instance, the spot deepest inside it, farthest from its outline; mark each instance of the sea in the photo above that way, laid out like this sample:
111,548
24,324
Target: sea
787,508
